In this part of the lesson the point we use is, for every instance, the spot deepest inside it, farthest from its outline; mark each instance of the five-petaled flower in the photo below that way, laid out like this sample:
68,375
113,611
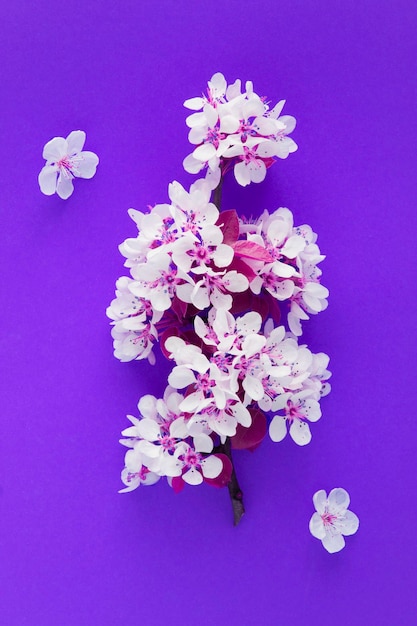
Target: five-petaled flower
332,520
66,160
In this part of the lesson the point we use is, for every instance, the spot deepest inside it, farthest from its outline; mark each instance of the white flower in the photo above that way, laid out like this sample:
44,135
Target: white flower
300,408
191,463
65,160
332,519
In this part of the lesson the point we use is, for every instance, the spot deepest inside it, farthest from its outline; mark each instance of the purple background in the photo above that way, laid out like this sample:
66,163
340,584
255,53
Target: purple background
73,551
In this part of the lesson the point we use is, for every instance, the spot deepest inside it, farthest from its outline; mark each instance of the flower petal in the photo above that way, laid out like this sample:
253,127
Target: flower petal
47,179
88,165
300,432
192,477
75,141
204,152
338,500
320,501
333,543
211,466
64,187
350,523
55,149
278,428
316,527
181,377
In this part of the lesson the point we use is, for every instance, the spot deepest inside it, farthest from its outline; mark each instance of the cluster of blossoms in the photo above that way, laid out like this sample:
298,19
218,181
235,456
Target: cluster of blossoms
224,299
188,257
235,128
230,381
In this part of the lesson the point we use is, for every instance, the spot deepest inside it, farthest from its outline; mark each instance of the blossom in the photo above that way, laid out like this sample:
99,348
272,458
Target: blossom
300,408
332,520
66,160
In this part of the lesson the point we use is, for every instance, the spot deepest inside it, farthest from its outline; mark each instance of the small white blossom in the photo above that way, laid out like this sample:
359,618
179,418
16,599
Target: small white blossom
66,160
332,520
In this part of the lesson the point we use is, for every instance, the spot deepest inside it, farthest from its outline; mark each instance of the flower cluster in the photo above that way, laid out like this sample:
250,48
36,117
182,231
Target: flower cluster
188,258
236,371
224,299
159,445
235,128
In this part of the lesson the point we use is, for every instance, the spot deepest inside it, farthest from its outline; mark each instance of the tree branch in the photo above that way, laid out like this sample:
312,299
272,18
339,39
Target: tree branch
235,492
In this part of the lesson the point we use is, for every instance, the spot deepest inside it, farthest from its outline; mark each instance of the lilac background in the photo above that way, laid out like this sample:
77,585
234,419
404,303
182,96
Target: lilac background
74,552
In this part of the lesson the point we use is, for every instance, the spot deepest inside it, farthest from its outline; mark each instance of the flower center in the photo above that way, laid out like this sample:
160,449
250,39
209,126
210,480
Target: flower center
328,518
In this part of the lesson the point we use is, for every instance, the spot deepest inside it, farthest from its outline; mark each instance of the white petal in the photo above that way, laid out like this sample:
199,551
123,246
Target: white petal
191,402
242,174
242,414
350,523
203,443
75,141
252,344
211,467
229,124
320,501
196,119
333,543
280,401
223,255
87,166
253,386
178,428
316,527
147,407
160,300
192,477
47,179
192,165
278,428
289,122
204,152
181,377
257,171
55,149
64,187
195,104
339,500
312,410
148,429
293,246
283,290
300,432
236,282
218,84
295,325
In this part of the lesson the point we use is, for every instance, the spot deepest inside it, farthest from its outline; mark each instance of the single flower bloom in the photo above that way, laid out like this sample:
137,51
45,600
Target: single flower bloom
332,520
66,160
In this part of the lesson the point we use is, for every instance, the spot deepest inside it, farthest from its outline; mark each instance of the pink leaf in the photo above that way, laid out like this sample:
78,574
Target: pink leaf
250,438
252,250
225,475
229,225
243,268
177,484
179,308
274,310
247,301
